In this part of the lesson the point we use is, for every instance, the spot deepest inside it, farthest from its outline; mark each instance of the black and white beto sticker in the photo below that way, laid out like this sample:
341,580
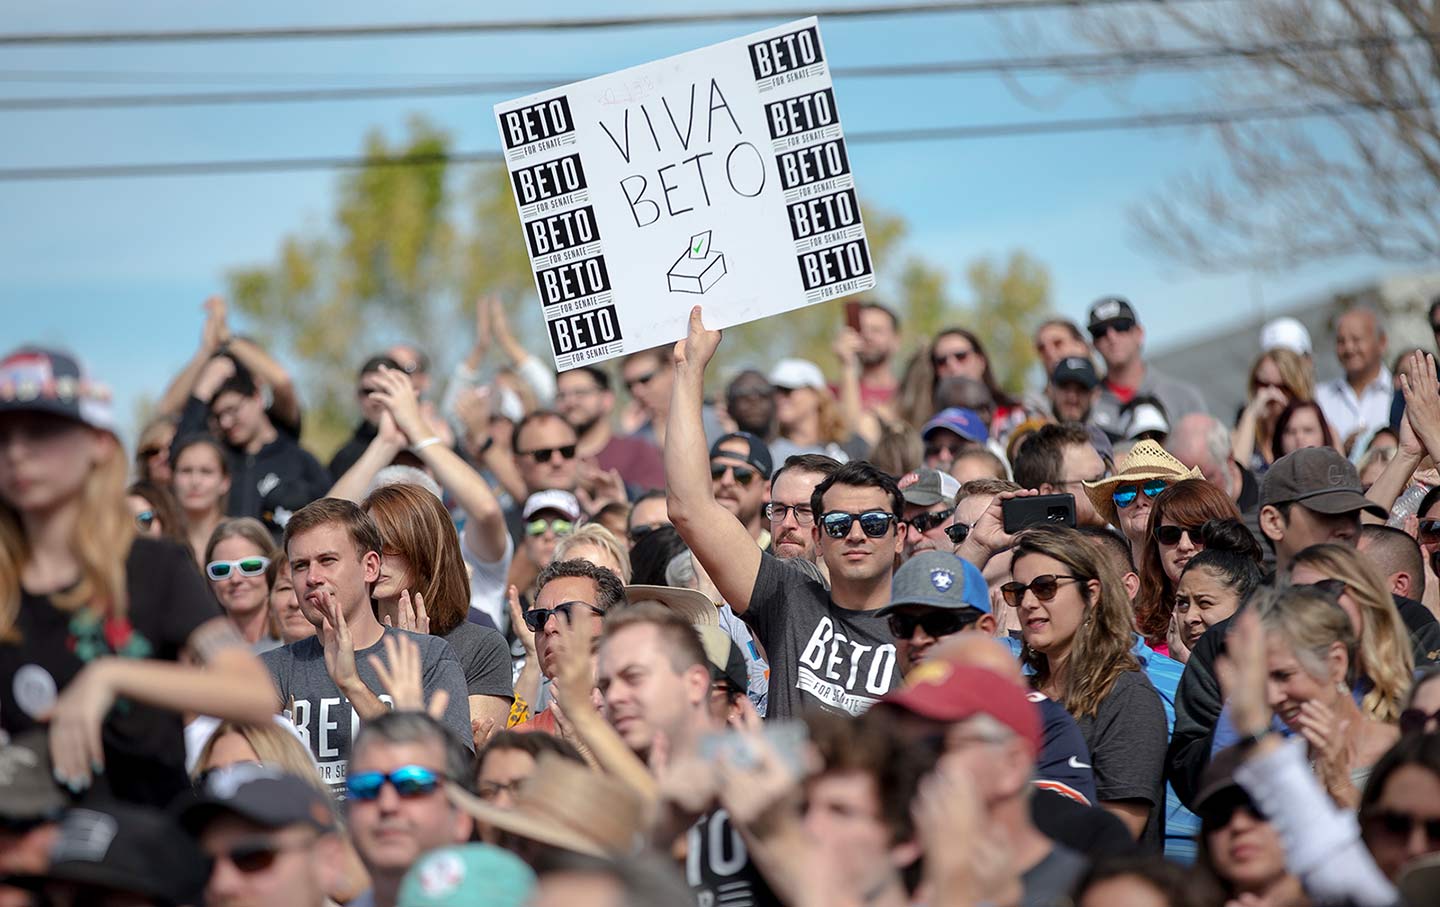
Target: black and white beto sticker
812,164
834,264
561,231
584,331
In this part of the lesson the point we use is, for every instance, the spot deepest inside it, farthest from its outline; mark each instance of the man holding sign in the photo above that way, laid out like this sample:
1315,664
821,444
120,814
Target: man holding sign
828,649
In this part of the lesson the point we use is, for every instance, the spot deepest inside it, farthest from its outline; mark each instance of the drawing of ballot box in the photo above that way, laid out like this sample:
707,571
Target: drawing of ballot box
690,274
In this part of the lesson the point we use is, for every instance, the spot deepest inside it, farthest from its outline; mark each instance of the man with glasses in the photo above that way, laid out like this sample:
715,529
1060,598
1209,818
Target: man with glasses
566,591
585,399
329,682
1118,337
545,448
648,379
828,649
934,595
739,471
929,507
792,521
270,837
396,804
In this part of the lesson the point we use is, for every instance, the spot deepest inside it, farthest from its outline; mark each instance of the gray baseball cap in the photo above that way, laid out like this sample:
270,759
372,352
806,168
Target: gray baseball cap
938,579
932,487
1319,478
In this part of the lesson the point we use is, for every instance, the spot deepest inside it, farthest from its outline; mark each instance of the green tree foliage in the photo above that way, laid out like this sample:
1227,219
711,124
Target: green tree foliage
1008,302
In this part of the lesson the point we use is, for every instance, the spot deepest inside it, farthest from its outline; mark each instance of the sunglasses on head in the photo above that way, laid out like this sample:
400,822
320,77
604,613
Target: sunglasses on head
1043,587
874,523
536,528
546,454
144,520
1399,826
246,566
743,474
1125,495
537,618
1123,325
1170,535
924,522
1414,721
408,781
936,623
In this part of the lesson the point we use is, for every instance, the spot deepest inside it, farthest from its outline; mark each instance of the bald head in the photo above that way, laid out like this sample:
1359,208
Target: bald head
1359,343
978,651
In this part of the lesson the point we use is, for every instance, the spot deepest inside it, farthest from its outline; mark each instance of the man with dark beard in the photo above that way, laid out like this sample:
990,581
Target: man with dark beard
739,469
583,396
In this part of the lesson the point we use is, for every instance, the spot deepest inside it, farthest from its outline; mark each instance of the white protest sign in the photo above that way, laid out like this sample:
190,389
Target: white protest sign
719,177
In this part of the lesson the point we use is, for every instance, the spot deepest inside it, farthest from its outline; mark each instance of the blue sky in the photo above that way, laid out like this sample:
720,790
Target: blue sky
117,269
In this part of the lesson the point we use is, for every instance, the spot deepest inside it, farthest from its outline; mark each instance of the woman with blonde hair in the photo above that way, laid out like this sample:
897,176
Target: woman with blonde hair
1385,661
1311,654
598,545
241,561
1278,378
1078,631
90,613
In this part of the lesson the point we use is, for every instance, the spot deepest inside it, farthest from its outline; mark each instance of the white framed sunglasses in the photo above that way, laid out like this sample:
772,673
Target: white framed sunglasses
246,566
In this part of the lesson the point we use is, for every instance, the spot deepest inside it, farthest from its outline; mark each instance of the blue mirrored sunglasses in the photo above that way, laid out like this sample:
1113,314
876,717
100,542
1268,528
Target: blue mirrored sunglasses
1125,495
408,781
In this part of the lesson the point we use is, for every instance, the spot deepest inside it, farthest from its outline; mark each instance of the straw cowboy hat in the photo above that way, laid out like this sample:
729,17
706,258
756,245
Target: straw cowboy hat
566,805
1146,460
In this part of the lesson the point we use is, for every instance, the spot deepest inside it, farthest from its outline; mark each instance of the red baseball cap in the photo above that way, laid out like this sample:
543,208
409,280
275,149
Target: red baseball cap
942,691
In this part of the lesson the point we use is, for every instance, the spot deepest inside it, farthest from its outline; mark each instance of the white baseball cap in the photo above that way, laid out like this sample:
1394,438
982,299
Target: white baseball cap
793,373
1285,333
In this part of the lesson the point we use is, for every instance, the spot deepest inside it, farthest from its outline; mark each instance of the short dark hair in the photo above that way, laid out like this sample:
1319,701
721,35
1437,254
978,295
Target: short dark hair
327,511
242,383
869,305
1396,551
859,474
660,354
652,553
807,462
532,417
602,377
679,638
417,727
1428,501
609,591
534,744
1041,457
374,362
205,440
1112,544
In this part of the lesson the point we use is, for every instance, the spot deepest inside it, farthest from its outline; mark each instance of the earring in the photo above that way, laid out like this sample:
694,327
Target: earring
1342,688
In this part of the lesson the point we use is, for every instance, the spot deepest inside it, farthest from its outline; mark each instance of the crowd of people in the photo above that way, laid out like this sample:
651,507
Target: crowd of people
895,636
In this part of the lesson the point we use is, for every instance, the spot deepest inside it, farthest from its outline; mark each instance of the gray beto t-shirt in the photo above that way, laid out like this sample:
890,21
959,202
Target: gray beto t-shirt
821,655
328,722
1127,738
484,657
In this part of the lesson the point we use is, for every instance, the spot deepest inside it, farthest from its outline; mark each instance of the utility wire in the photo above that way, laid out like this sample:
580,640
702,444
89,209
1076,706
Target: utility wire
1168,120
586,23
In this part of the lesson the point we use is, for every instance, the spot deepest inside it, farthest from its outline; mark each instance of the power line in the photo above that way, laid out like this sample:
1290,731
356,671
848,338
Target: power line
1067,63
586,23
1167,120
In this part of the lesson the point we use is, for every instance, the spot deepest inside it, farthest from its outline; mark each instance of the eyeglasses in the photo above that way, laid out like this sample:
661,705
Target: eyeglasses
1123,325
1043,587
639,532
632,383
1399,826
247,566
537,618
776,513
1429,530
936,623
492,789
1414,721
408,781
1125,495
546,454
958,356
1170,535
924,522
958,533
743,474
874,523
144,519
146,453
537,528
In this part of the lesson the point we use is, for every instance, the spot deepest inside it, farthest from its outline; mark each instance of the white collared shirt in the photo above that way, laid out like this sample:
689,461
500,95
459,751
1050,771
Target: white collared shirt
1346,412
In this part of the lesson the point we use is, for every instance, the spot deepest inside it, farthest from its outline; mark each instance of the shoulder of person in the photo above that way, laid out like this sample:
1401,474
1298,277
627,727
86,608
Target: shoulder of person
432,648
148,556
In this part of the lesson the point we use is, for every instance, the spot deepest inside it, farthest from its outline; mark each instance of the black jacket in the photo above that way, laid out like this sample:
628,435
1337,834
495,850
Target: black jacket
346,456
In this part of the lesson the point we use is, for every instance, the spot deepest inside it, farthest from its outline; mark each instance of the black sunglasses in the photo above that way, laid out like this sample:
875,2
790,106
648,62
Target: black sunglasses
1413,721
1170,535
252,857
1429,530
546,454
1123,325
874,523
936,623
639,532
537,618
1399,826
1330,588
1221,809
940,359
924,522
957,533
638,380
1044,587
743,474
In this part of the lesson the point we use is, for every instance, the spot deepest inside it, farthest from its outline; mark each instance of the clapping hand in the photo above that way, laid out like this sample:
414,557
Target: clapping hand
412,616
397,395
400,674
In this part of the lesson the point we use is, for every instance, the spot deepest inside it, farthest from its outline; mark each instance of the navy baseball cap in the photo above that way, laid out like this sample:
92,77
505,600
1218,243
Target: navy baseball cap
757,452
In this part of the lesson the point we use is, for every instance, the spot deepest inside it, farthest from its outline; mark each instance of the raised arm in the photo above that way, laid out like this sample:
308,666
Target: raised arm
284,400
182,386
723,546
486,530
380,452
531,370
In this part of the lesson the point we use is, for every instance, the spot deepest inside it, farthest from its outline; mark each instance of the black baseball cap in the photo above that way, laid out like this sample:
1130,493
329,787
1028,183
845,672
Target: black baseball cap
28,792
136,850
1076,369
1319,478
1109,310
757,452
39,380
260,794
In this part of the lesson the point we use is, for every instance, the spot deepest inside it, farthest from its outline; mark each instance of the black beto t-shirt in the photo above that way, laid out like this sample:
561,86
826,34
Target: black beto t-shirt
718,867
144,745
821,655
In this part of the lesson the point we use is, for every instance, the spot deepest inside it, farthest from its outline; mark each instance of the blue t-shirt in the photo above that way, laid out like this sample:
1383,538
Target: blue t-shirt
1181,825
